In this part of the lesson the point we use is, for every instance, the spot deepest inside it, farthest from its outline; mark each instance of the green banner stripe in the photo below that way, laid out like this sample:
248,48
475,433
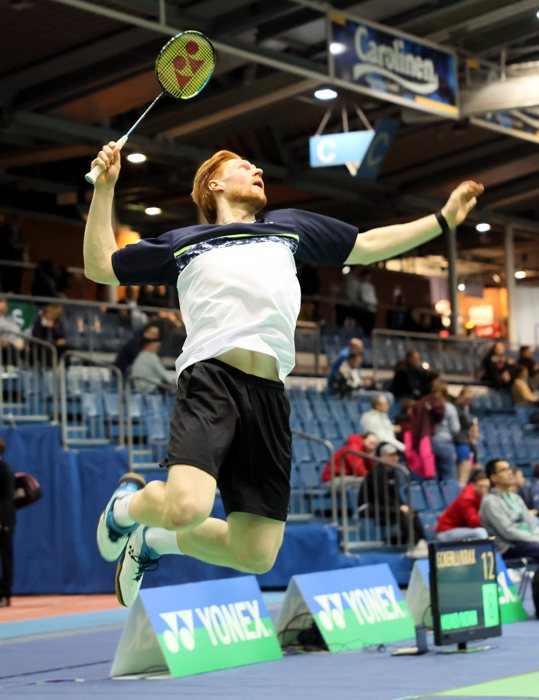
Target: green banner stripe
349,633
187,654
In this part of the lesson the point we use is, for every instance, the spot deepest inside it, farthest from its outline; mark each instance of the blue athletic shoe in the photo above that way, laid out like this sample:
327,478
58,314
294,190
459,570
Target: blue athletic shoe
111,538
136,558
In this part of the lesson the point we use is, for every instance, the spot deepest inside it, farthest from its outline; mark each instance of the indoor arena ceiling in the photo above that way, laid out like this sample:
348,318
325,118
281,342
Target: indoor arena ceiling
74,74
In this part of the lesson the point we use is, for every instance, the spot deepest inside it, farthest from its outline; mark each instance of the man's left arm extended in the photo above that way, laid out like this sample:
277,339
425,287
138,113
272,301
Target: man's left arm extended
389,241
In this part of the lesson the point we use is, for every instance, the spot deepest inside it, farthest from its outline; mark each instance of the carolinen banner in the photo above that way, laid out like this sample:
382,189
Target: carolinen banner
393,66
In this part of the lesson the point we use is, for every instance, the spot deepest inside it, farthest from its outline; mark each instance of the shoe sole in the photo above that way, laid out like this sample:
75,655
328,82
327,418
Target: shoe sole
117,547
117,588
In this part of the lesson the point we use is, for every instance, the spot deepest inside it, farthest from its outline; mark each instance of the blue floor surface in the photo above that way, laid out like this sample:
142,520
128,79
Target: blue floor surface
63,659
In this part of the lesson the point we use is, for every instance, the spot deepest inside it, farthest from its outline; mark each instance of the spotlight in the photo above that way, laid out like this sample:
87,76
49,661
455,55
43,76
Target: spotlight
482,227
136,158
153,211
461,287
325,94
520,274
336,48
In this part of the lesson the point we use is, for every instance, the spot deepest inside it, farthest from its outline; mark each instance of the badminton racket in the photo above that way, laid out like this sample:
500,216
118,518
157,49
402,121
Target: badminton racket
183,68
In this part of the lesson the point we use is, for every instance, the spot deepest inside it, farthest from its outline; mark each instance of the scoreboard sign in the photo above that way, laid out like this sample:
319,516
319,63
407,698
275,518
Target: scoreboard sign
464,591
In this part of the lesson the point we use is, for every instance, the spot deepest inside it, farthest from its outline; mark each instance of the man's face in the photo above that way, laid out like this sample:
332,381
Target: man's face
481,487
503,477
382,404
465,398
242,183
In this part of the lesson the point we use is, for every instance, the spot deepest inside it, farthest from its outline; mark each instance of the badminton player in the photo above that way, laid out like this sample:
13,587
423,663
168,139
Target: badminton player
239,298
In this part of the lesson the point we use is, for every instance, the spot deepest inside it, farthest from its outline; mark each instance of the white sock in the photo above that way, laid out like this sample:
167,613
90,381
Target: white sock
120,511
162,541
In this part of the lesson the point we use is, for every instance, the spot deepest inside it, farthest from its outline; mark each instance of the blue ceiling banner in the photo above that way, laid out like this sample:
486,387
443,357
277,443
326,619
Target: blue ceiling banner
393,66
386,130
338,149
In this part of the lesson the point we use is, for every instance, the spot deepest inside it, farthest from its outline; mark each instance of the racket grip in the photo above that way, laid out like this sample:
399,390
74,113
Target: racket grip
95,172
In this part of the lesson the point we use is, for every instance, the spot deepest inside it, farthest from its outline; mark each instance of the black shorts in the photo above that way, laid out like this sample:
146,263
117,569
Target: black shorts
234,426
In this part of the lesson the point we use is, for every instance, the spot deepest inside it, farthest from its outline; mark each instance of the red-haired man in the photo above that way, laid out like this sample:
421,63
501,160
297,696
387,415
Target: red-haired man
239,298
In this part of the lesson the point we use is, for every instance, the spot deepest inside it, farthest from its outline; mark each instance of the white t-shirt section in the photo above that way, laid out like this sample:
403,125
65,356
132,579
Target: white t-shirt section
245,296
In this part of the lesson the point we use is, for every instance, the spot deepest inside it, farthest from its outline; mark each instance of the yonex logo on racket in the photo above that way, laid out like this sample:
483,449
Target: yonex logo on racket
189,61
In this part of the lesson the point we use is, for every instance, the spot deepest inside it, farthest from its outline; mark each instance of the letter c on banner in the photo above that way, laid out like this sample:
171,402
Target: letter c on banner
322,150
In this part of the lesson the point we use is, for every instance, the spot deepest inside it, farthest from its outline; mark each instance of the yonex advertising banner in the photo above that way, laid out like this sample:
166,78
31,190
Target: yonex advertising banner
197,627
352,608
520,123
418,595
393,66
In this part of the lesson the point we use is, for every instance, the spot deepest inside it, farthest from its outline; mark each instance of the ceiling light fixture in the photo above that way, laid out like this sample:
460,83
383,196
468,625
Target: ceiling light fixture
153,211
520,274
461,287
336,48
482,227
136,158
325,94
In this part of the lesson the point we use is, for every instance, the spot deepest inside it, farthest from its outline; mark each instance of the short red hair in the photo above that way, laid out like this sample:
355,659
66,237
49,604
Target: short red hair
202,196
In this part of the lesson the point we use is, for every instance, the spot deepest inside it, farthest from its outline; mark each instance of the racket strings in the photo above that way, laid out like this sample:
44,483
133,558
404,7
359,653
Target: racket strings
185,64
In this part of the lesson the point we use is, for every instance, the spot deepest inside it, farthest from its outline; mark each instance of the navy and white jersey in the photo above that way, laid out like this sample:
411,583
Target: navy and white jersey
237,282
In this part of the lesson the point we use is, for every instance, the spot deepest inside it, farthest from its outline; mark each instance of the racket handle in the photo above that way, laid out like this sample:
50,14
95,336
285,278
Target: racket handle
95,172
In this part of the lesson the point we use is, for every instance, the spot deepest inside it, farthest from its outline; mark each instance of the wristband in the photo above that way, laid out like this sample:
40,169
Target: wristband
440,218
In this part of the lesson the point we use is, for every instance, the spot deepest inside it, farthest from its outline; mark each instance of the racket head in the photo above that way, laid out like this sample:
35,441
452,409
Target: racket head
185,64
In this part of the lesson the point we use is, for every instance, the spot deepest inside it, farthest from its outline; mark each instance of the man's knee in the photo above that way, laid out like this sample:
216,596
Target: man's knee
184,513
255,560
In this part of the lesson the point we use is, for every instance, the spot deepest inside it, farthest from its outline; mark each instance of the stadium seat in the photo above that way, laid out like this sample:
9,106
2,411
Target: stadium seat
433,496
450,490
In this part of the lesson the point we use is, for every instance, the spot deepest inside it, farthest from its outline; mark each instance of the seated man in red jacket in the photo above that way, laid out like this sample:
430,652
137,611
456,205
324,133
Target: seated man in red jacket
460,520
354,465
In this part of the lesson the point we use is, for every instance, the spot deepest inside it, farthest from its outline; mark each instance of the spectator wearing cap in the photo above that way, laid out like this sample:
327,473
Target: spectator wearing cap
380,494
377,421
461,520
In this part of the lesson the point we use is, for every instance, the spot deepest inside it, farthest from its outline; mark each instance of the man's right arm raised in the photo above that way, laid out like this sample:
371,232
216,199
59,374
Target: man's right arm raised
99,240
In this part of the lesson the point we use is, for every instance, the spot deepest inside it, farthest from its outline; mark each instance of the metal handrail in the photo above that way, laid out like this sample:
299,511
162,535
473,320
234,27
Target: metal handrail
331,453
344,504
50,348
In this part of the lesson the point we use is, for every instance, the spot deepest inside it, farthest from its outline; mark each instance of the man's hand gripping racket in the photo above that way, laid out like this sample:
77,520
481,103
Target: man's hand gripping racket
183,68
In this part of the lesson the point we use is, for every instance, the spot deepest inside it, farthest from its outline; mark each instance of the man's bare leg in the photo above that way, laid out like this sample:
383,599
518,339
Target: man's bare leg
246,542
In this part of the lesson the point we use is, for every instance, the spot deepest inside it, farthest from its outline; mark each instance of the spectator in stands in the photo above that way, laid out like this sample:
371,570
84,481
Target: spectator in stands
49,327
444,435
354,465
368,301
525,359
460,520
463,444
524,398
424,416
397,314
128,352
348,380
354,347
497,367
7,526
49,280
132,317
380,492
11,343
404,416
524,490
148,372
377,421
412,378
505,516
